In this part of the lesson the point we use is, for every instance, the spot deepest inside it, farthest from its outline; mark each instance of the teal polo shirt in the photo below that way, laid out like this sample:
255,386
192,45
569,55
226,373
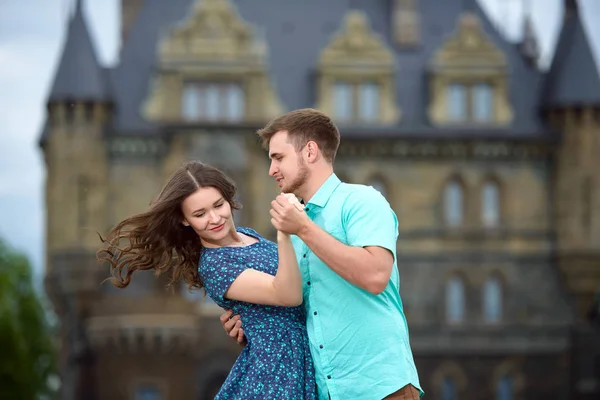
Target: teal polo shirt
359,341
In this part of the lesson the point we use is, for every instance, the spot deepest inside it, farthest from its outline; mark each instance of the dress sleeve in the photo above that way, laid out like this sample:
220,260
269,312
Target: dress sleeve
218,271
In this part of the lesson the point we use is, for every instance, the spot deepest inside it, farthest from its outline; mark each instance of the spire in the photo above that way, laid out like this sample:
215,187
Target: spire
571,7
79,75
529,45
573,78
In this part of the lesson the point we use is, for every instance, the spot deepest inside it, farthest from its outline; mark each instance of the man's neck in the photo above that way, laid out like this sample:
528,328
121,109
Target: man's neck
317,179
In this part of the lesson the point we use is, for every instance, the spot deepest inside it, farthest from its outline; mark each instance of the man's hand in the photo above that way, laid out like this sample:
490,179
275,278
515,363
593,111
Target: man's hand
233,326
286,215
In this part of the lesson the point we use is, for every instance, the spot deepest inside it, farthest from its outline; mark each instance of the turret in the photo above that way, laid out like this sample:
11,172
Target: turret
79,111
571,103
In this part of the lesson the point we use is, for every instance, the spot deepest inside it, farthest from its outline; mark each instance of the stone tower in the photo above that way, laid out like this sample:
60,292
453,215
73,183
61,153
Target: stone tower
143,340
572,104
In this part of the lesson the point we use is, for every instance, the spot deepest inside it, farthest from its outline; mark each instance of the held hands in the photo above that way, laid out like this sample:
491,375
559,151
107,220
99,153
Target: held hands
287,214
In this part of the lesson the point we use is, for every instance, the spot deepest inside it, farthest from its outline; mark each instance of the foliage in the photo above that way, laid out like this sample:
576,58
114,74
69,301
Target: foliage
27,352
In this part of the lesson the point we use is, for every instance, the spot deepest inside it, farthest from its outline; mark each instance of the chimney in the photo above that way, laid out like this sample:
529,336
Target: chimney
129,12
406,23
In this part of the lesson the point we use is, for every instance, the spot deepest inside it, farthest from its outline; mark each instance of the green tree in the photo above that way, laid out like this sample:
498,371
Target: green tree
27,353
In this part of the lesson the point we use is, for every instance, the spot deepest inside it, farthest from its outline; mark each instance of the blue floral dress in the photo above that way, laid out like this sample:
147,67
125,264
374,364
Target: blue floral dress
276,363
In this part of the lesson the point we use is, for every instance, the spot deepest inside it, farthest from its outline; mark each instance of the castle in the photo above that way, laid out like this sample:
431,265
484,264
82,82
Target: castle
487,160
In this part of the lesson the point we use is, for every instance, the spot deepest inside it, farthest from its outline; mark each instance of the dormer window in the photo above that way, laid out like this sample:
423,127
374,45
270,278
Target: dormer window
356,75
473,103
469,81
213,102
356,102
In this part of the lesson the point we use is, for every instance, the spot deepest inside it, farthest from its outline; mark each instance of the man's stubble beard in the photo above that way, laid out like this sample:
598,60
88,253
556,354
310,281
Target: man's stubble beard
300,180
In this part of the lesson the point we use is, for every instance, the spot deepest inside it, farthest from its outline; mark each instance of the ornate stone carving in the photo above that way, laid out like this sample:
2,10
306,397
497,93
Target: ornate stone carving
356,42
470,47
214,31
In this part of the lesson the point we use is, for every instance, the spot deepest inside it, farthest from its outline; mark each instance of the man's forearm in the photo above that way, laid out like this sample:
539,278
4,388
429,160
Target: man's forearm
355,264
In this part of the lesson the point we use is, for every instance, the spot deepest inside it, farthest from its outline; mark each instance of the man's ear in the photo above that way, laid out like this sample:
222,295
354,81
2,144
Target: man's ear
312,151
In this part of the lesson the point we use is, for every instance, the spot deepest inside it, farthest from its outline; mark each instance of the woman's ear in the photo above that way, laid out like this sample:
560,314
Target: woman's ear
185,223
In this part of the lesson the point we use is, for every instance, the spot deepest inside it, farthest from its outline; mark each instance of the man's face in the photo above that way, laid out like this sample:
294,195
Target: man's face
287,166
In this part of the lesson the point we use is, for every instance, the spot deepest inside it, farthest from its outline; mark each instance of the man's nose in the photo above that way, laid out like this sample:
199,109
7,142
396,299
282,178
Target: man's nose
272,170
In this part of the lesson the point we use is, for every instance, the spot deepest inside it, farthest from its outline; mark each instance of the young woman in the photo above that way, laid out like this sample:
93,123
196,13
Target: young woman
188,231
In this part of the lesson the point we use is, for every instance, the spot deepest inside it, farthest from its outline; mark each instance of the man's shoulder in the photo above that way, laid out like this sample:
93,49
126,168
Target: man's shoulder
355,189
354,192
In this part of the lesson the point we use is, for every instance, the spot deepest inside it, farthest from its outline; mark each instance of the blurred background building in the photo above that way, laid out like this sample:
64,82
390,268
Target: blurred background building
487,160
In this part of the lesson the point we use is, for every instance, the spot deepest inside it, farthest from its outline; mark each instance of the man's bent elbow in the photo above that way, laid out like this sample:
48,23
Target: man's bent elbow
378,282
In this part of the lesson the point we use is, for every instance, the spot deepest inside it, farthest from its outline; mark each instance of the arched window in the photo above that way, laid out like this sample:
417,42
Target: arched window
454,204
490,204
378,185
492,300
504,388
455,300
148,392
448,389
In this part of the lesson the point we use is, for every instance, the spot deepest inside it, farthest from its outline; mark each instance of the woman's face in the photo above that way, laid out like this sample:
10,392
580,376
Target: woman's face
209,214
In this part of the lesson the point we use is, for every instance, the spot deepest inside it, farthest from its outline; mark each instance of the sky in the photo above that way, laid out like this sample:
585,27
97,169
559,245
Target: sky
32,35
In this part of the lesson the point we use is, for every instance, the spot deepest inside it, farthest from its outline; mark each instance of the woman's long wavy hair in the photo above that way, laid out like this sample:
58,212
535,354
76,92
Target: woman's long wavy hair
156,239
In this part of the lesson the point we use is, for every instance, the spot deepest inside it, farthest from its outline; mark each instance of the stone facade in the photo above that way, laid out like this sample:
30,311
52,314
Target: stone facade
542,249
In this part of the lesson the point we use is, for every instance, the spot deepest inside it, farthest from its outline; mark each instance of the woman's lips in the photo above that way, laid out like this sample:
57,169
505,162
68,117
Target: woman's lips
218,228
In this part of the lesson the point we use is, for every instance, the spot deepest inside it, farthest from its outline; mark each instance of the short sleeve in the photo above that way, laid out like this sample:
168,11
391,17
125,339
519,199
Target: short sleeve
369,220
218,271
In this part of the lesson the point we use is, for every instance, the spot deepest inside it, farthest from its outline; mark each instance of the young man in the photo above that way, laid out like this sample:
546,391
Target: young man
345,241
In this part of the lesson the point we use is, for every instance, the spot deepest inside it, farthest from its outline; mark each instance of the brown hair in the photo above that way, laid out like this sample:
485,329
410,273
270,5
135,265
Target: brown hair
157,239
303,126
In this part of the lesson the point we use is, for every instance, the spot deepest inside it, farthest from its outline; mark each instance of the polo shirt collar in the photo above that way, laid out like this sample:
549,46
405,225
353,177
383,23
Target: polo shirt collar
322,196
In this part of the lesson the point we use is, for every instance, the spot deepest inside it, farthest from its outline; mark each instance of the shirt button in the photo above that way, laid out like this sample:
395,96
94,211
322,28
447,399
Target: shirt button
308,283
328,376
307,209
304,255
321,346
315,313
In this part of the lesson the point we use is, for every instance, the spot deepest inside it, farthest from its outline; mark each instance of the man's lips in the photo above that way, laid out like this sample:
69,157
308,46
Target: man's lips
218,228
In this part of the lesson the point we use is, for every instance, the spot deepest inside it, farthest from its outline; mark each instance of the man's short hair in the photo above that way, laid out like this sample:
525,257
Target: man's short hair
303,126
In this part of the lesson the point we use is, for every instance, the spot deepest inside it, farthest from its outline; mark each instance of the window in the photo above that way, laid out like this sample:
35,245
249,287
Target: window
213,102
368,102
342,101
455,300
492,300
453,204
470,103
482,103
147,392
457,102
490,205
504,388
448,389
586,205
82,201
356,102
